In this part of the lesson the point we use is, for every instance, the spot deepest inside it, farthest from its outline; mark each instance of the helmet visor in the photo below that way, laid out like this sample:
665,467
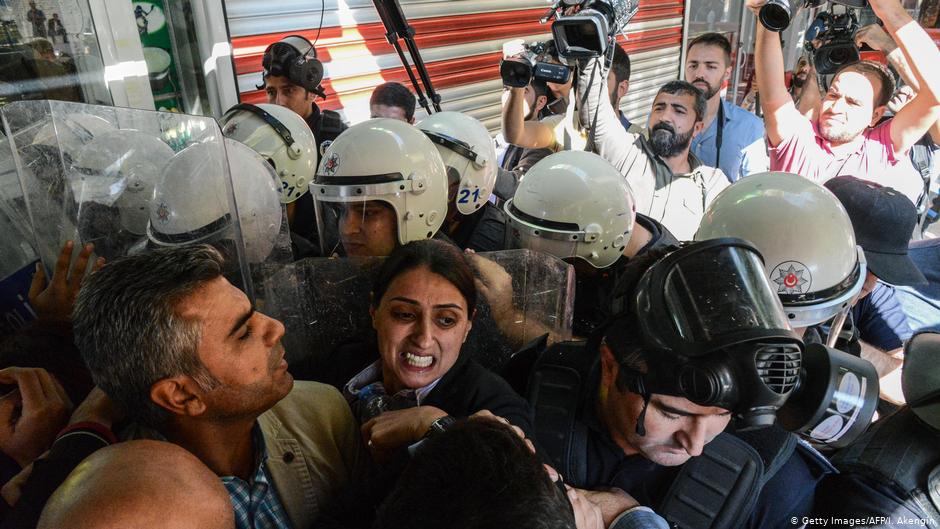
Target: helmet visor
717,291
561,239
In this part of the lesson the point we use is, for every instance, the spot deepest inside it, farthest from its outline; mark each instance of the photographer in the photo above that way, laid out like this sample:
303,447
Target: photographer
844,138
557,132
732,138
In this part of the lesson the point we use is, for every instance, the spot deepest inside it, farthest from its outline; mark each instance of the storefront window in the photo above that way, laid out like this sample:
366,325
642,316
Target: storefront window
49,50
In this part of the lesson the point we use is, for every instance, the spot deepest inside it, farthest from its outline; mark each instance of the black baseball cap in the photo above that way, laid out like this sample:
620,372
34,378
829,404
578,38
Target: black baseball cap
884,221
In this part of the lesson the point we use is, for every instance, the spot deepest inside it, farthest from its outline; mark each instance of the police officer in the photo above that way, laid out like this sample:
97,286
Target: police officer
469,155
891,475
806,238
384,183
285,141
643,405
291,78
576,206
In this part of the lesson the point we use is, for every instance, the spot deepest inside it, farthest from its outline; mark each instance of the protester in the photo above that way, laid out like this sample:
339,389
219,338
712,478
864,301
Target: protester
846,139
670,184
173,343
392,100
732,139
454,477
140,484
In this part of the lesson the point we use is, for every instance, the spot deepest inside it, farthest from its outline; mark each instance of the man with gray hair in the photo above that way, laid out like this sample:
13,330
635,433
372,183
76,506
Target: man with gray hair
169,339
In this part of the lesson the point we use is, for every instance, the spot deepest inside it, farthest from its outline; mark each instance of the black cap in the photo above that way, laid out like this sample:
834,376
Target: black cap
884,221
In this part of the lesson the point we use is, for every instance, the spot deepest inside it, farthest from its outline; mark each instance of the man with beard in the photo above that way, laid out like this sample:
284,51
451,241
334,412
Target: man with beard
670,184
187,356
732,138
846,138
798,78
517,160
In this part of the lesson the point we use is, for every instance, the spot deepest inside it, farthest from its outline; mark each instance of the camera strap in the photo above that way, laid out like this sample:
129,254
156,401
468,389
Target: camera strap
720,132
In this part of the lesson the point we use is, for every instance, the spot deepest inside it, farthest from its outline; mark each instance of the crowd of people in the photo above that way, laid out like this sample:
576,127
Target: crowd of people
746,292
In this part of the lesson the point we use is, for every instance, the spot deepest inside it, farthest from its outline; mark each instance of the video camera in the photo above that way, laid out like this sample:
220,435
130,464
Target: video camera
837,34
775,15
519,70
588,32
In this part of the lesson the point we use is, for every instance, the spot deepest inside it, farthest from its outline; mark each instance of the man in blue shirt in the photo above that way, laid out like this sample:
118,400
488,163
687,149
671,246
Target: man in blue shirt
733,138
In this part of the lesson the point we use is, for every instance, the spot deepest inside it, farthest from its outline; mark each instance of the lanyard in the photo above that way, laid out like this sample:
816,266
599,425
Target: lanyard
718,135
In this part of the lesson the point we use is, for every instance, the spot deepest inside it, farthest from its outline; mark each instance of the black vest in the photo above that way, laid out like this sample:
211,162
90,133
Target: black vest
903,453
734,467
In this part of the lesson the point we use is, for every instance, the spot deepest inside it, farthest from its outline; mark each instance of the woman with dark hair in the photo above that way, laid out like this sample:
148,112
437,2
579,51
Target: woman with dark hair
415,380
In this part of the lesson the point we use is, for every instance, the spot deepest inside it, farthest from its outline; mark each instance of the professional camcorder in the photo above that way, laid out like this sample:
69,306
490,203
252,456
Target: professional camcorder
837,34
518,71
588,32
775,15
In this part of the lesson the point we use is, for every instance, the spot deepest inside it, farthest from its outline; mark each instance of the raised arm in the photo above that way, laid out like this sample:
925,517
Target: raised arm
607,138
879,40
518,131
780,114
918,116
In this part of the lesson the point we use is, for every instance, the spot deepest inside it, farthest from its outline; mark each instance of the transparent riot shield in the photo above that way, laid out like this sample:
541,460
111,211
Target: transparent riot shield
325,302
17,266
126,180
18,257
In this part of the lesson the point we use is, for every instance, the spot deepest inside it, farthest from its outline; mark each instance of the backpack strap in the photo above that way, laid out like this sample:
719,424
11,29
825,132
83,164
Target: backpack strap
715,489
555,391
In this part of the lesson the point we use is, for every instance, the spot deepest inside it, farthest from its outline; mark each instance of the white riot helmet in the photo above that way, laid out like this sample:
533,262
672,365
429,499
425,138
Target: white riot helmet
805,236
390,161
572,204
120,168
190,204
468,152
282,138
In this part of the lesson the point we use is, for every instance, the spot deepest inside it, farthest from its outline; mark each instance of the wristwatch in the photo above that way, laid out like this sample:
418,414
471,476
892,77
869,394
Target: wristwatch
439,426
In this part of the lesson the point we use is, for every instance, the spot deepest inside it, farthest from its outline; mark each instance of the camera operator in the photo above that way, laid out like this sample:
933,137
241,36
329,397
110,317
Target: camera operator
557,132
731,138
517,160
844,138
670,184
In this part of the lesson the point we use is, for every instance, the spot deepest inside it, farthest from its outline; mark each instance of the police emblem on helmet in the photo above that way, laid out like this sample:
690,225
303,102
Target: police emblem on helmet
332,164
791,277
163,213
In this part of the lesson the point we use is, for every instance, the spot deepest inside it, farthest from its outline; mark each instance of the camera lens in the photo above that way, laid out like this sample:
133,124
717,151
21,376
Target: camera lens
839,56
775,15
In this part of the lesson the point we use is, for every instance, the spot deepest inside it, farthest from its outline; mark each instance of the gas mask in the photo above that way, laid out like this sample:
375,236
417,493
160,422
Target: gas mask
713,331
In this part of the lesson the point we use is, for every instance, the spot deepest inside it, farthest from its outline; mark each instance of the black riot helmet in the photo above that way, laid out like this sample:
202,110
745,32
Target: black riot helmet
712,331
295,58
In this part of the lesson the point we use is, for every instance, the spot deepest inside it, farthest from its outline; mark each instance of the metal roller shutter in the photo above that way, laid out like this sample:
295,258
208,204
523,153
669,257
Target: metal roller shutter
460,41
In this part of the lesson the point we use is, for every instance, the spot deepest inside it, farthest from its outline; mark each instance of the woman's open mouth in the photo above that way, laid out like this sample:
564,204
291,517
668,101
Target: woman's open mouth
417,362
